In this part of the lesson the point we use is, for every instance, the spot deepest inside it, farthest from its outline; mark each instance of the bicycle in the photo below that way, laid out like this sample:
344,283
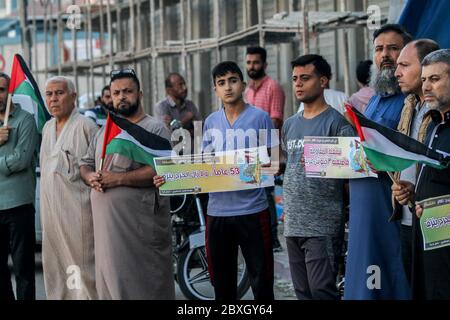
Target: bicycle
190,261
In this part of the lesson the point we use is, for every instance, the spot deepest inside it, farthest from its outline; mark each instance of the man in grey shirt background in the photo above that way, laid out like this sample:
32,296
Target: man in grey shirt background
175,110
313,207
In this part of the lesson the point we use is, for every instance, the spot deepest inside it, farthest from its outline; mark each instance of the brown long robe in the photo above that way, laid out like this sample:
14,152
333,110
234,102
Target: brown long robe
132,230
68,237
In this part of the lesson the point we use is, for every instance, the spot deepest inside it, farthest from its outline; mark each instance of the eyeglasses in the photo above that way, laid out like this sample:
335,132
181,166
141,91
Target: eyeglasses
120,72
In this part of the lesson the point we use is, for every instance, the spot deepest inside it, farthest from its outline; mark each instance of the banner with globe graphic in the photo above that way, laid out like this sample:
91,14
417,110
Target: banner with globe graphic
335,158
242,169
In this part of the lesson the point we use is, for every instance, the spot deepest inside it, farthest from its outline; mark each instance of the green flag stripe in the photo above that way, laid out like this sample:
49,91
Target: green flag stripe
130,150
27,89
378,142
384,162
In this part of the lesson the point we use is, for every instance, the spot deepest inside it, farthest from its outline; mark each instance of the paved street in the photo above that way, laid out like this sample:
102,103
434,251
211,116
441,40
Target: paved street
283,286
40,290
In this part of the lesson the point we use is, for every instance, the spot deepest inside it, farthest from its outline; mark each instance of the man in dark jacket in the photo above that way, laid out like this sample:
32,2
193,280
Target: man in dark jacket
414,122
430,272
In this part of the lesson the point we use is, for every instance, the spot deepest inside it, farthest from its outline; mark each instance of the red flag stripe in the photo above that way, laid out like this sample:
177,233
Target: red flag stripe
355,121
111,131
17,76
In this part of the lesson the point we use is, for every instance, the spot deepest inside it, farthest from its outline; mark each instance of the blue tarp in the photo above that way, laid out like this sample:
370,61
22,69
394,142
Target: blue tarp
427,19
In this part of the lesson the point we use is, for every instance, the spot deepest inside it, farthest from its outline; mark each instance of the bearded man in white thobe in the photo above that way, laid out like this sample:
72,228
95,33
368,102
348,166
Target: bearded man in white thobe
68,240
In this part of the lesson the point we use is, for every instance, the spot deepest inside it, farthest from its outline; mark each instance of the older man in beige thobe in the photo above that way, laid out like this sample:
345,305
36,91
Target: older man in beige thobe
68,239
132,230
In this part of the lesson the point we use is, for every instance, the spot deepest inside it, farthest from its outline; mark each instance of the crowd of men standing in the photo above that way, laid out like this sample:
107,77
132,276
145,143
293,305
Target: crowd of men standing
107,231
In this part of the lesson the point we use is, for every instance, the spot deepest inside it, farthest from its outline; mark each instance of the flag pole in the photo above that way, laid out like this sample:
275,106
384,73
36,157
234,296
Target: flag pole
396,182
392,177
8,108
105,139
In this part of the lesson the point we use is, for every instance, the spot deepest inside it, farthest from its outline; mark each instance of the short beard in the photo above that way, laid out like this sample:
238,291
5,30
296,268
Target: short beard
384,81
128,112
442,104
257,75
108,107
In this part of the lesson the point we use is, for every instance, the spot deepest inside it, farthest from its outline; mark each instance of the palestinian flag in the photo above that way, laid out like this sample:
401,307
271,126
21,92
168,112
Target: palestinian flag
132,141
390,150
24,89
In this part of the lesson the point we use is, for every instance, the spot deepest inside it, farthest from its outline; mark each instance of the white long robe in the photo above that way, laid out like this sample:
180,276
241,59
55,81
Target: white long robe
68,238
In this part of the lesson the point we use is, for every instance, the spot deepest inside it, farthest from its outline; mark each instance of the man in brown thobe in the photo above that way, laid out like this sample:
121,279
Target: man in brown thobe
68,238
132,230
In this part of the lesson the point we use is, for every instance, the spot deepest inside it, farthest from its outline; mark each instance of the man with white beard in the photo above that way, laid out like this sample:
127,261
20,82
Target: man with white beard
374,267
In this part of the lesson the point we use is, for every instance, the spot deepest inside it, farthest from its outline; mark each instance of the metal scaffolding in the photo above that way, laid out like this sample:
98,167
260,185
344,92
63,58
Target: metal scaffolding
138,33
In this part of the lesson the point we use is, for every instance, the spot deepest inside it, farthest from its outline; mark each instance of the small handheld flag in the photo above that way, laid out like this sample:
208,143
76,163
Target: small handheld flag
23,83
390,150
132,141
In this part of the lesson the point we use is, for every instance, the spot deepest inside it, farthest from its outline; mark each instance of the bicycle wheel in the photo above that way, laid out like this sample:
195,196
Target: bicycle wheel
193,276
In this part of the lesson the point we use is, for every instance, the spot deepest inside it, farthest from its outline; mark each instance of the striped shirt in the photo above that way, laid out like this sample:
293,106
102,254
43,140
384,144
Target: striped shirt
269,96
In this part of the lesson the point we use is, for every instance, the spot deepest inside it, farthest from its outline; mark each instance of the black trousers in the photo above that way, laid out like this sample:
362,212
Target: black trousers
406,238
431,276
17,235
252,234
312,261
273,215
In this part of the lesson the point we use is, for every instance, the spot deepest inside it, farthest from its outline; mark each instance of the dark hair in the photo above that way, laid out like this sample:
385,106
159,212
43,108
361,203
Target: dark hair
258,50
125,73
226,67
5,76
322,68
363,71
168,80
105,88
424,47
442,55
392,27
